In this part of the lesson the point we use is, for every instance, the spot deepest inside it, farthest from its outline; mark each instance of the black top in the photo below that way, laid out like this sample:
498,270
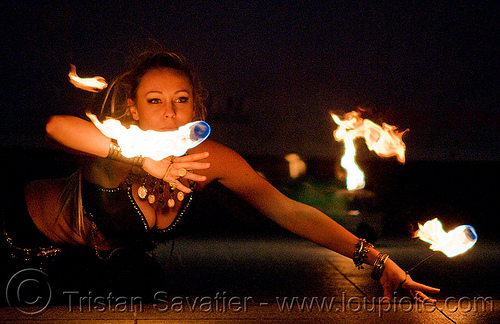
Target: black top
119,219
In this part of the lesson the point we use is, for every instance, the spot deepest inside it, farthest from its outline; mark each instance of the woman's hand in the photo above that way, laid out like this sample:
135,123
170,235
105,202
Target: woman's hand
172,168
394,277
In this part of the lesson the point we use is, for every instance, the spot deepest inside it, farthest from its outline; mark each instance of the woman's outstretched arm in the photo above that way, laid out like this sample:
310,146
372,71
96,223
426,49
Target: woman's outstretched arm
233,171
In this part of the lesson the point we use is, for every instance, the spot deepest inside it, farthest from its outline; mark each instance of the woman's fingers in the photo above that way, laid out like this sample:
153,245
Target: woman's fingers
173,168
190,166
393,280
421,297
417,291
179,185
191,157
183,167
416,294
412,285
184,170
195,177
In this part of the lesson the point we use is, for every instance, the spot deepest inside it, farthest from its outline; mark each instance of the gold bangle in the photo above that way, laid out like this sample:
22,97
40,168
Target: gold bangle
359,257
378,266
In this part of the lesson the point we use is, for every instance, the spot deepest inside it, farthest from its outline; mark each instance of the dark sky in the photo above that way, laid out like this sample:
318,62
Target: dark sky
274,69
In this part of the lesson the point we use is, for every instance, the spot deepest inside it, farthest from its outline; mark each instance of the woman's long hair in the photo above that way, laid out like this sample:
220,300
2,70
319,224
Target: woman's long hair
71,198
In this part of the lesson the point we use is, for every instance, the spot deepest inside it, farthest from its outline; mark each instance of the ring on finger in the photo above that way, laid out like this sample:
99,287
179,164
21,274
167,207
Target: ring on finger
182,172
172,184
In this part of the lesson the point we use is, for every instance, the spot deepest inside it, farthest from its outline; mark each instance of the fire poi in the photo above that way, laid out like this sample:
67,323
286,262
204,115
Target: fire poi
95,84
132,140
384,140
452,243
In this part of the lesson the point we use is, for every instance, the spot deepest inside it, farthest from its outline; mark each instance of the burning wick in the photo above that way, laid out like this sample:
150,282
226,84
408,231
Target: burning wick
95,84
134,141
384,140
453,243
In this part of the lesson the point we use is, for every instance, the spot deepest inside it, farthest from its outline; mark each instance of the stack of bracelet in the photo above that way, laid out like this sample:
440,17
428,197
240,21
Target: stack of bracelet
378,266
115,153
359,257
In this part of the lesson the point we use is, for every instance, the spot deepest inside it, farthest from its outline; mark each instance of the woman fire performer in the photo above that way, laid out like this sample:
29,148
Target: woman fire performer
114,205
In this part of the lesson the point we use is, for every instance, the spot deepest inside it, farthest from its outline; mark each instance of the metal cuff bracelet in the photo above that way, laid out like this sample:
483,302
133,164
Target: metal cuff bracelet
115,153
359,257
378,266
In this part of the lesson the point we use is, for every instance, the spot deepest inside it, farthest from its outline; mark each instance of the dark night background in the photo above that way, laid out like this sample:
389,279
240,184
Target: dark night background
274,71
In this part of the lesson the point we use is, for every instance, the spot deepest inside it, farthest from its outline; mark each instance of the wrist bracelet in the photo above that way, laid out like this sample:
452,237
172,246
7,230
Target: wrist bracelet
359,257
378,266
172,158
115,153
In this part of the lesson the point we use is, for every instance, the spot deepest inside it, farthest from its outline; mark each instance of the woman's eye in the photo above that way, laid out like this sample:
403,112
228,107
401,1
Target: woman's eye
154,101
181,99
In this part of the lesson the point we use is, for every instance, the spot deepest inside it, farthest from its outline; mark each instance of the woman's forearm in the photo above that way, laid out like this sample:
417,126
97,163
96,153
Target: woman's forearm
77,134
317,227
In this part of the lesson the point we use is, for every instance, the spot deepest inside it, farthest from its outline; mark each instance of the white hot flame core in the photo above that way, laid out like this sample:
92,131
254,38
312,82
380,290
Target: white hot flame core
355,177
133,141
385,141
451,243
95,84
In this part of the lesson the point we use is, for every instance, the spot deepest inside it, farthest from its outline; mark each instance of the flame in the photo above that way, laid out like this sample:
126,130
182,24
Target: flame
385,141
453,243
95,84
157,145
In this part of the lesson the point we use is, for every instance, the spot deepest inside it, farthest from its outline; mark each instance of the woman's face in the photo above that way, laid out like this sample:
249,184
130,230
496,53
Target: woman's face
164,100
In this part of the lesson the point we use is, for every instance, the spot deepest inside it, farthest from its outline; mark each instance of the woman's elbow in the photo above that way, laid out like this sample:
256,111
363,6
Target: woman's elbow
54,126
51,126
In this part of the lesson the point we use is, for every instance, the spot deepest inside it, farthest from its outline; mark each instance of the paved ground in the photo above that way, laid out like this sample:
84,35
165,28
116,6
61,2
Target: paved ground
285,279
